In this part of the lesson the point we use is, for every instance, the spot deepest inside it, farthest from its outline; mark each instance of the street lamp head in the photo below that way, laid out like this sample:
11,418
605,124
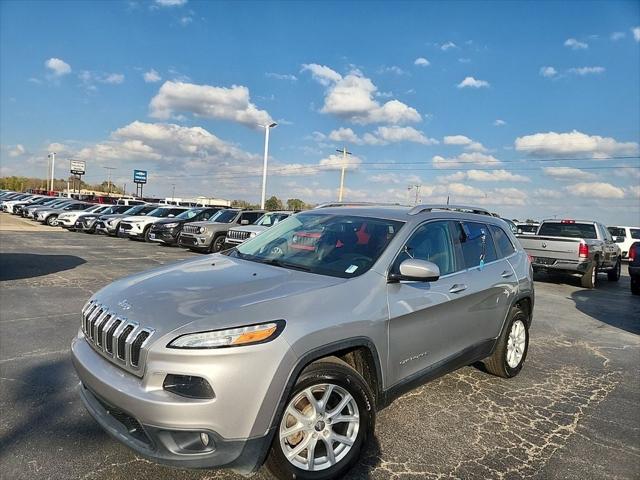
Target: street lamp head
272,125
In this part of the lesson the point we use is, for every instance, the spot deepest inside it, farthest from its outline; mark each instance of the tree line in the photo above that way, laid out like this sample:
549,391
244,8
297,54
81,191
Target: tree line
32,183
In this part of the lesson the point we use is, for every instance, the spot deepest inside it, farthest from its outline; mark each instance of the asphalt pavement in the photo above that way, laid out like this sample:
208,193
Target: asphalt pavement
572,413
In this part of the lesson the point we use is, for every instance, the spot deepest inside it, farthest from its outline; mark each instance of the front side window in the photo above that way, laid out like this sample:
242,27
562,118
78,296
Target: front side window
224,216
477,244
505,247
335,245
432,242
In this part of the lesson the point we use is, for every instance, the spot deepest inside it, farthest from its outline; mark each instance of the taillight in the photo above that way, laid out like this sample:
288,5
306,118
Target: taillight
583,250
632,253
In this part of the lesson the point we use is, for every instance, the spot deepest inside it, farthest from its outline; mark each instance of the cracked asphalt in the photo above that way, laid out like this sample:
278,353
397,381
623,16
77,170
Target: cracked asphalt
572,413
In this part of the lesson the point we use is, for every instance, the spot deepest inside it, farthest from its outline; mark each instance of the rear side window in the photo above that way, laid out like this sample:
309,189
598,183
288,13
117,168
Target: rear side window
635,233
503,244
571,230
617,231
477,244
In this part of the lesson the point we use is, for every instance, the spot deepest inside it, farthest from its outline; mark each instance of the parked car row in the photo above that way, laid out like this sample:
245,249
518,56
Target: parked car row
206,229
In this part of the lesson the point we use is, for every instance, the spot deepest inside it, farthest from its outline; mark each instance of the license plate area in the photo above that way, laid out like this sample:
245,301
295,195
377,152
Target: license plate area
544,261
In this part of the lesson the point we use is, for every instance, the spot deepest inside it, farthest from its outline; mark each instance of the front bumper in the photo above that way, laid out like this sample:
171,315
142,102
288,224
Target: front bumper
168,236
66,222
194,242
135,230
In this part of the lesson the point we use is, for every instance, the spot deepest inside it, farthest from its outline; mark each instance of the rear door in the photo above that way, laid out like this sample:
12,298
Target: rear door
491,283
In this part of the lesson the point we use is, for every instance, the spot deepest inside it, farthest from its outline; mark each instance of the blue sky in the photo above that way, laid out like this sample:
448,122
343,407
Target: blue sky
471,100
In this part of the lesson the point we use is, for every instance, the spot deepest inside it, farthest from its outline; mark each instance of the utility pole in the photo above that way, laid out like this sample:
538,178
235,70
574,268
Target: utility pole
344,167
52,156
266,157
173,192
417,190
109,169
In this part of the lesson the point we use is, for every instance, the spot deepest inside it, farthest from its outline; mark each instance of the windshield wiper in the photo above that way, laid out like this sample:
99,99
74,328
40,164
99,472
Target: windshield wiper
280,263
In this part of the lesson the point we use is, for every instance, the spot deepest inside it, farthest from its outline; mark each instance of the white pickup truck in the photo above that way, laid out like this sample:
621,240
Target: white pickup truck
574,246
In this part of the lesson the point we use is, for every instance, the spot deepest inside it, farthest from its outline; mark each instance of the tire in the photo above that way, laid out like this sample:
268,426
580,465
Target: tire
316,380
117,232
590,277
614,274
501,363
50,220
217,245
146,233
635,286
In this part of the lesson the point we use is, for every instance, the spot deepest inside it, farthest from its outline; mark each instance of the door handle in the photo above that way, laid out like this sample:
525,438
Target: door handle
506,274
457,288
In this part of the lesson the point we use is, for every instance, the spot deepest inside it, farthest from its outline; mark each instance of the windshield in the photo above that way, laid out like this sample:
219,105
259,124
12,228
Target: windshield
164,212
270,219
571,230
224,216
335,245
189,214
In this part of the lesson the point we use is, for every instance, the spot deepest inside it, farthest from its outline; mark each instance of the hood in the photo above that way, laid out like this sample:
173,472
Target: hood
113,215
172,220
250,228
212,292
140,218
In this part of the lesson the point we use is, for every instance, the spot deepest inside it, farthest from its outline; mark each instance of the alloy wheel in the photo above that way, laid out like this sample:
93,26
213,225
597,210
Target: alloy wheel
516,343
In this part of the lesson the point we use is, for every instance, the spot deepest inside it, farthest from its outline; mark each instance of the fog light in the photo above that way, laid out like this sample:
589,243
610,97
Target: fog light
204,438
188,386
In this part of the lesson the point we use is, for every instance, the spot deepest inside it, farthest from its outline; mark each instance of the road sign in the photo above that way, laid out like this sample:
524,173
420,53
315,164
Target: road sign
139,176
78,167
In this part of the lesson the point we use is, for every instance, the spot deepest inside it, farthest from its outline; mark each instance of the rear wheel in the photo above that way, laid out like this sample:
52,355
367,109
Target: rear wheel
146,233
51,220
512,347
614,274
325,424
590,277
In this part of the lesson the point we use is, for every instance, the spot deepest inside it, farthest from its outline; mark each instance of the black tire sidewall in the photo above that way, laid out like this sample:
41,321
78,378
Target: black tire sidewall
351,381
518,315
217,245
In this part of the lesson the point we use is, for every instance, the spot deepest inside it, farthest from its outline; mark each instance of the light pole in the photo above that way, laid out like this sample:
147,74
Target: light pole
344,167
109,169
266,156
173,192
52,156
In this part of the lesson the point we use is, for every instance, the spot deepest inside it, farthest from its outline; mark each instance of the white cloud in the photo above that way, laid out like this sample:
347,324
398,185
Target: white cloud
615,36
345,135
281,76
207,101
465,159
17,151
186,20
337,161
547,193
464,60
575,44
586,70
171,3
352,98
58,67
422,62
392,69
568,173
636,33
151,76
548,72
595,190
394,178
495,176
633,191
114,78
322,73
499,123
448,46
573,143
470,82
465,141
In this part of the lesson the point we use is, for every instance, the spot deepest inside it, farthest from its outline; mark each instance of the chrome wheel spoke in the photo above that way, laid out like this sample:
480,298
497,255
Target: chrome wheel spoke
299,448
312,400
344,418
343,403
325,397
311,453
331,456
295,413
298,427
341,439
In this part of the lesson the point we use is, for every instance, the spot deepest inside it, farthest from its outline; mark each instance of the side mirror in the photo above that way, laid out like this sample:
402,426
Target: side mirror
416,270
244,222
171,215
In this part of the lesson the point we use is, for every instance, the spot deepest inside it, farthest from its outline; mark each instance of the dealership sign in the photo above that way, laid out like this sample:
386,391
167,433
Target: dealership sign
139,176
78,167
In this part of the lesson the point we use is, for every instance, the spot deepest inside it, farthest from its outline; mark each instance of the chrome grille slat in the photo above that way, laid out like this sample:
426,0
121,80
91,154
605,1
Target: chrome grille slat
191,229
118,339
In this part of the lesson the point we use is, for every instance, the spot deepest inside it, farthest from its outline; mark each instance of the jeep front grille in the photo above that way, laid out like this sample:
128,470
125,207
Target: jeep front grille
191,229
238,235
118,339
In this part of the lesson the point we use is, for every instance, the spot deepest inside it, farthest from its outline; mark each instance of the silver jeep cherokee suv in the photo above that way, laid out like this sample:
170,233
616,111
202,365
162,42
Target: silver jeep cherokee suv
281,350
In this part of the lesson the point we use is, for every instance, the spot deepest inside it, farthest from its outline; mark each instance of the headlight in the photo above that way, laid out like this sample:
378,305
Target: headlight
232,337
202,229
171,225
252,234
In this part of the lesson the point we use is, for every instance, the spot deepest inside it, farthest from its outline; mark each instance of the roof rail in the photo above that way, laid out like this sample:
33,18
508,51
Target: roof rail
452,208
356,204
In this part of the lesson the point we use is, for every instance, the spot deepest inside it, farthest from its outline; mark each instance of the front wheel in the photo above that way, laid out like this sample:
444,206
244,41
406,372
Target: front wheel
512,347
614,274
52,220
325,424
218,244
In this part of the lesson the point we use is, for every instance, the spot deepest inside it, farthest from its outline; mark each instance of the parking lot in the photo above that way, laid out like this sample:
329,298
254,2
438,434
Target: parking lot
573,412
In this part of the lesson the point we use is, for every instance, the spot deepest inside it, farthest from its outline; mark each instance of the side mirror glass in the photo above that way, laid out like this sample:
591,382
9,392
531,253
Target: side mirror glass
413,269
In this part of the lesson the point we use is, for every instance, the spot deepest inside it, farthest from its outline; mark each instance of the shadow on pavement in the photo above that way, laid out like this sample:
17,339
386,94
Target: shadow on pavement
16,266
